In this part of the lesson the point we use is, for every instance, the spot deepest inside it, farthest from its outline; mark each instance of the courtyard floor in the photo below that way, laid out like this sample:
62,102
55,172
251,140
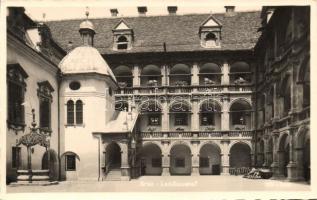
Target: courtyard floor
170,184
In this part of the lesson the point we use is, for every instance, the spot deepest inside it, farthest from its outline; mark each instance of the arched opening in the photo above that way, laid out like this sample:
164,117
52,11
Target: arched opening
50,162
240,115
122,42
209,74
304,78
283,154
211,40
209,160
70,164
262,110
180,118
303,154
70,112
180,160
270,102
151,76
240,73
121,106
240,158
113,157
151,160
210,116
270,152
79,112
124,76
285,92
180,75
151,116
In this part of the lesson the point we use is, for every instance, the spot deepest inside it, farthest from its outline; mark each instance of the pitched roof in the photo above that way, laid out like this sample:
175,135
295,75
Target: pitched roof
179,32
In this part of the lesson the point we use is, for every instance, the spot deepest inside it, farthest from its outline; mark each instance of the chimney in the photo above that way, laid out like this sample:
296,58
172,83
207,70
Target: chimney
114,12
230,10
172,10
142,10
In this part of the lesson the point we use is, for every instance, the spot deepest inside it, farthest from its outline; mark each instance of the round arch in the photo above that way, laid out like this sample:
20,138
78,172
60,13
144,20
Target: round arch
283,149
151,70
180,69
180,159
302,144
151,159
240,114
113,156
50,162
240,155
150,105
122,70
180,105
210,68
209,159
239,66
121,105
215,102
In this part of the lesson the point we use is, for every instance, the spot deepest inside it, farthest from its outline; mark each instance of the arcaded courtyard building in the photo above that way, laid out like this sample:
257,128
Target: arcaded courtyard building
181,94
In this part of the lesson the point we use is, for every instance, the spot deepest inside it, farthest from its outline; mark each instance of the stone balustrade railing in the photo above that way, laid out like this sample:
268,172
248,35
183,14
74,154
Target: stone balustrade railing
196,134
183,89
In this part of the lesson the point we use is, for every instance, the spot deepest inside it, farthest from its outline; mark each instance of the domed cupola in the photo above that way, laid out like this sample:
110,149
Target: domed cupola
85,58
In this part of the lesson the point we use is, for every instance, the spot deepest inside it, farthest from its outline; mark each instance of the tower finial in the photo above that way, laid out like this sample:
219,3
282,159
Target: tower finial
87,12
44,16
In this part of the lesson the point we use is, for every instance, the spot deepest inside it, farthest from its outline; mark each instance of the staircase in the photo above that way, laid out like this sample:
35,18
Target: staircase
114,175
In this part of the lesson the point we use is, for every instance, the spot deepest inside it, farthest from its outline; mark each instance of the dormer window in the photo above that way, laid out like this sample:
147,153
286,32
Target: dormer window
122,36
210,33
122,43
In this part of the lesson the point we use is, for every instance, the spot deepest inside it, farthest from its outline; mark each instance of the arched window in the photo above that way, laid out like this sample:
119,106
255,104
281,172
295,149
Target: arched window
240,73
79,112
70,112
211,40
122,42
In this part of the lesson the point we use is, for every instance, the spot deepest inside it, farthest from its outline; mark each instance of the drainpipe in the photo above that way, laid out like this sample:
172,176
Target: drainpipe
256,114
59,78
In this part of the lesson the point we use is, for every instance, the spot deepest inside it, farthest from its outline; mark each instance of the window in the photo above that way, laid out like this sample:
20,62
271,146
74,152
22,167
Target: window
179,162
75,85
16,88
70,163
238,118
79,112
204,162
122,42
154,120
207,119
156,162
16,157
70,112
44,93
211,40
181,119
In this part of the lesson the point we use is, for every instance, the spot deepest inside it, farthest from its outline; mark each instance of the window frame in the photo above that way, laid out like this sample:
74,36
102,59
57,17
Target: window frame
183,117
44,93
158,116
67,164
79,112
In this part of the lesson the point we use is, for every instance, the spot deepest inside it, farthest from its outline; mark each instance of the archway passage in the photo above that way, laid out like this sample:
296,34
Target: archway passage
151,160
49,161
240,158
283,156
209,160
113,156
180,160
306,157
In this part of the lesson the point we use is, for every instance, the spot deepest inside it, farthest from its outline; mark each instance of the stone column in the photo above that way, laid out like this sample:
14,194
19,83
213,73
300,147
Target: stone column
265,153
225,157
165,159
275,102
125,167
164,75
281,161
291,167
275,163
136,76
195,158
225,118
225,79
195,116
165,117
195,77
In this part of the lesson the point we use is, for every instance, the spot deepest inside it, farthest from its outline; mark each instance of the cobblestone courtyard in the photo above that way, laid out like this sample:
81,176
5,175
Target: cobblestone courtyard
170,184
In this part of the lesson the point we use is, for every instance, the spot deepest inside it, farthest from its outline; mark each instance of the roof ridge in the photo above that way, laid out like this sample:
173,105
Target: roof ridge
150,16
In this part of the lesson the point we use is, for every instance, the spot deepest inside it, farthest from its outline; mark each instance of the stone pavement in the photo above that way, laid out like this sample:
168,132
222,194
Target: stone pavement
170,184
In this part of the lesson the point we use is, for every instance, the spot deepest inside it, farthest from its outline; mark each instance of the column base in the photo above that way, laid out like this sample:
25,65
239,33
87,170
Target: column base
292,172
166,171
195,171
225,171
125,174
276,172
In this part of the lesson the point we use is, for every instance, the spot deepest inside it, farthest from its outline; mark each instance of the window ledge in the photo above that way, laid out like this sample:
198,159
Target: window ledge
16,126
74,125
